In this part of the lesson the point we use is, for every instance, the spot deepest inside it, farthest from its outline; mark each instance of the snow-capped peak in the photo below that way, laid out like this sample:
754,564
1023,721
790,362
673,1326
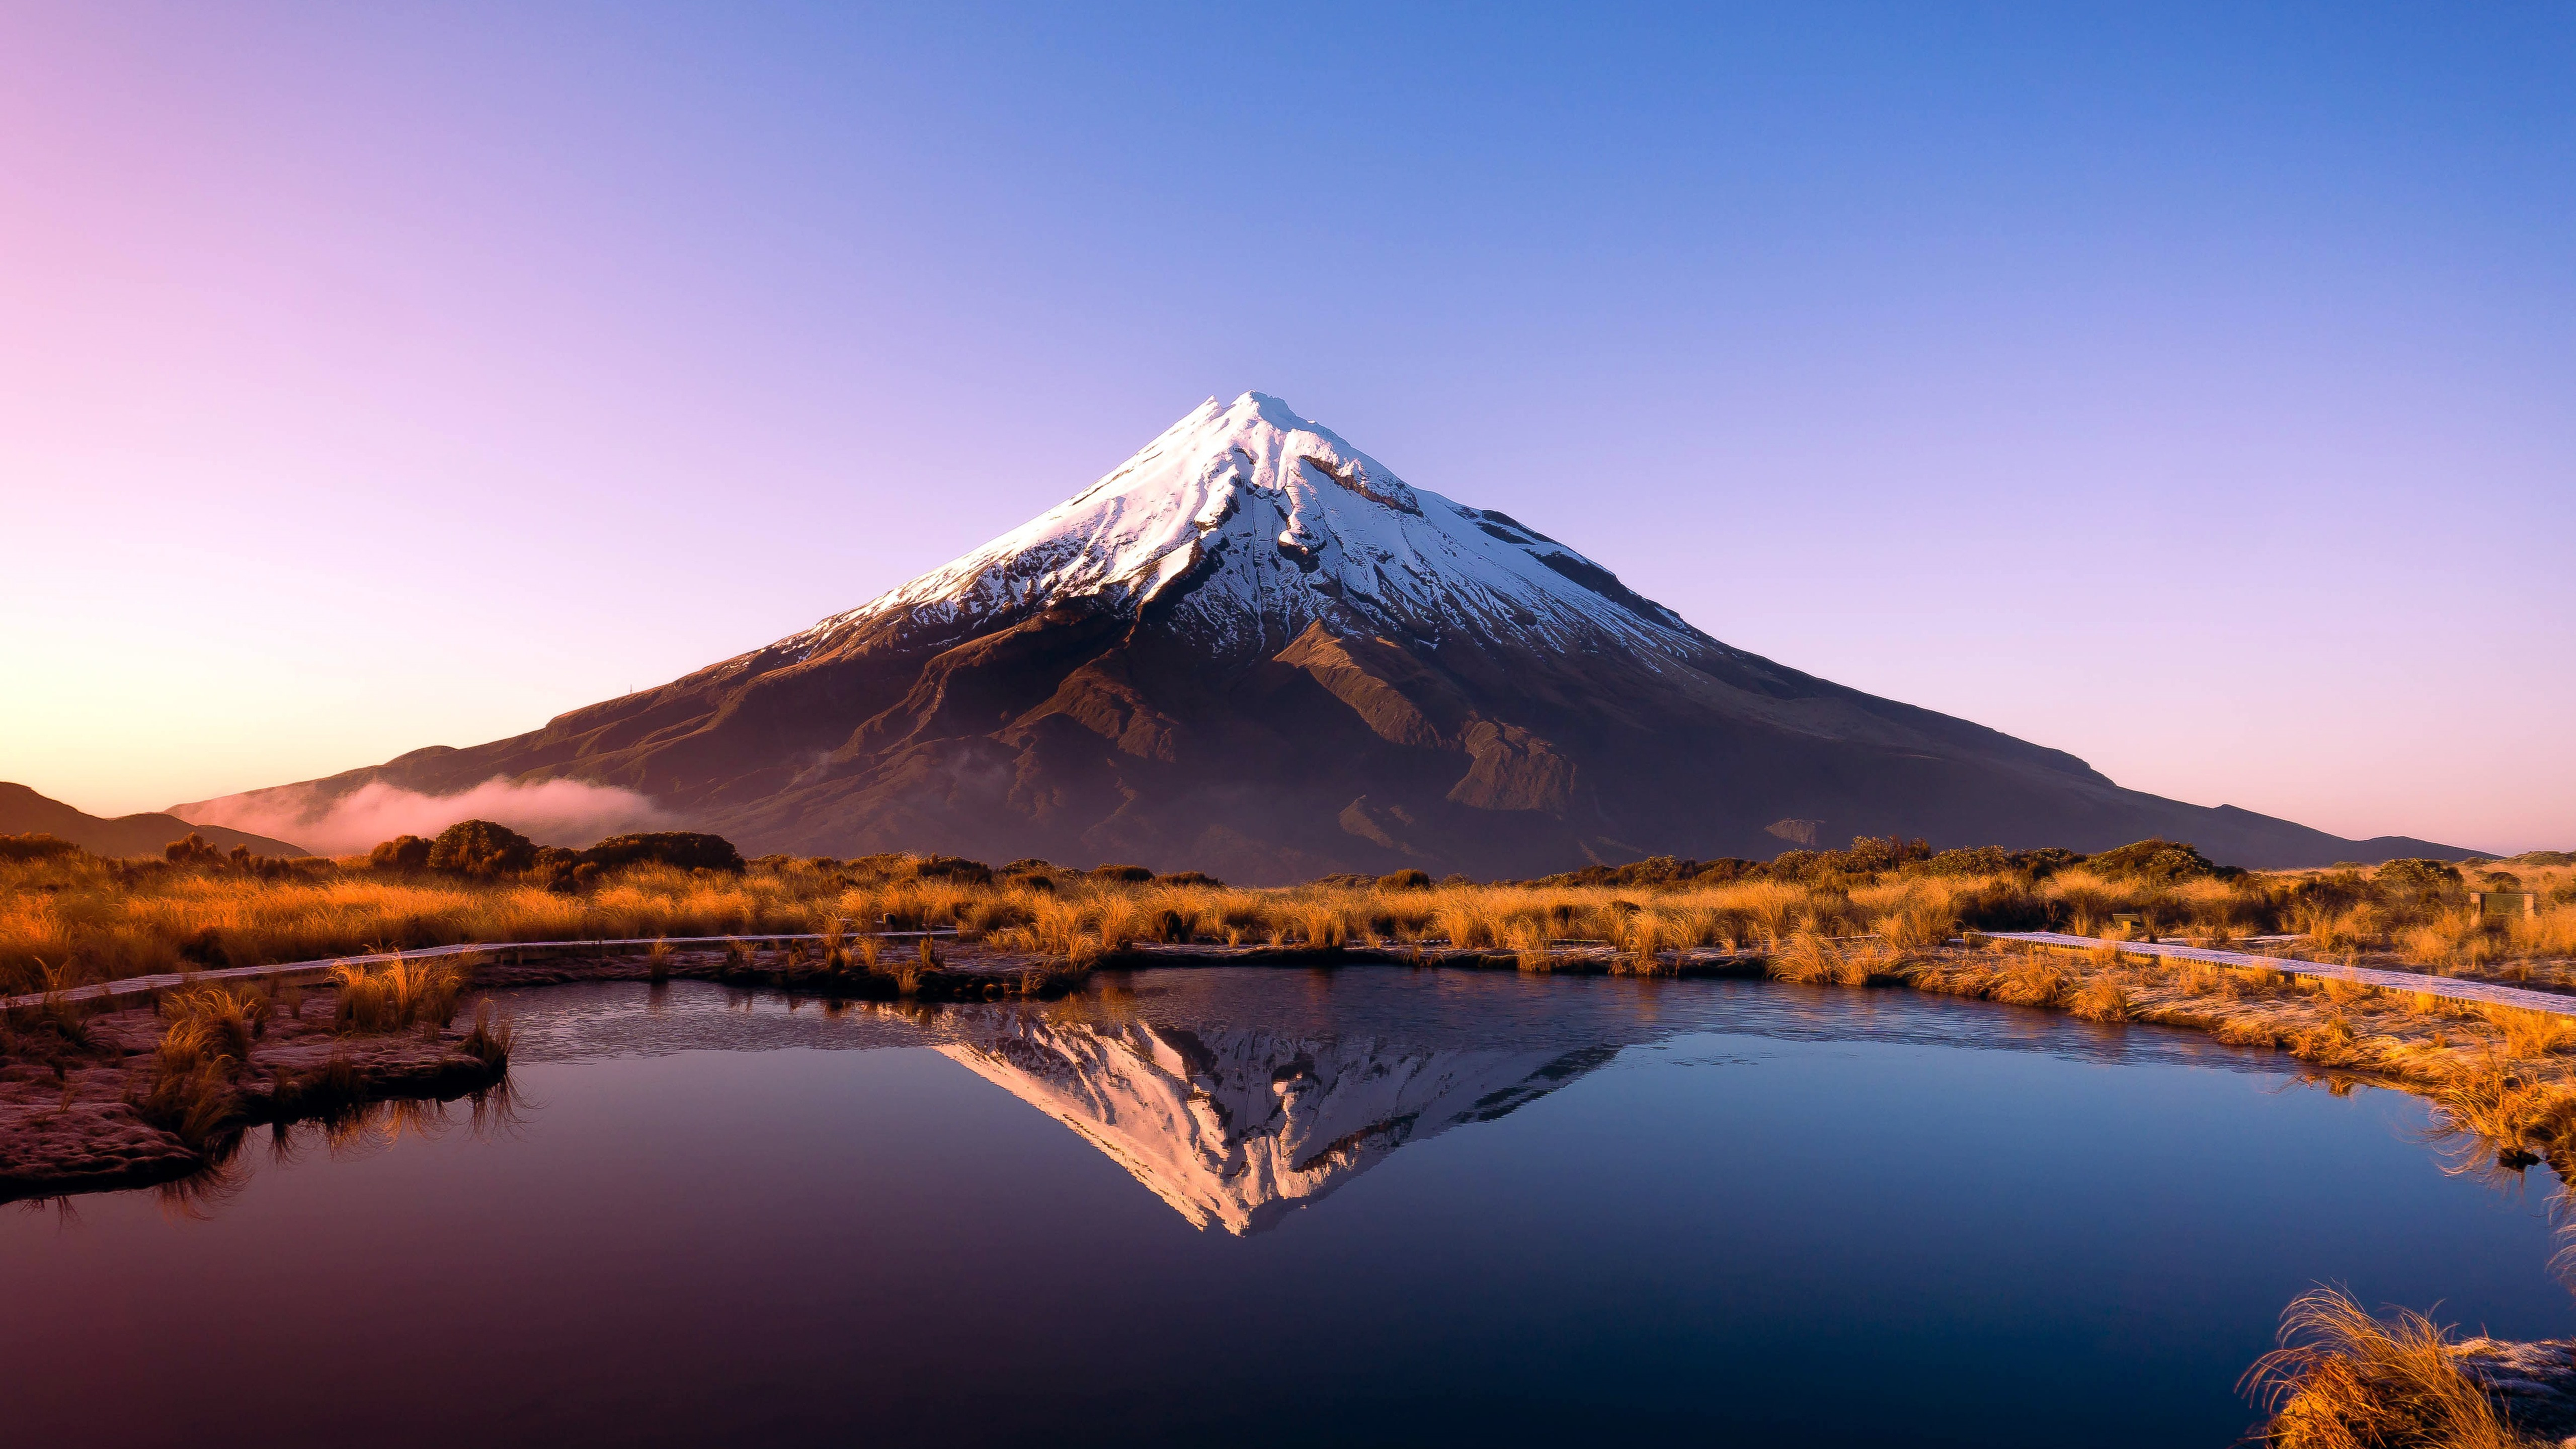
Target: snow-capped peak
1250,522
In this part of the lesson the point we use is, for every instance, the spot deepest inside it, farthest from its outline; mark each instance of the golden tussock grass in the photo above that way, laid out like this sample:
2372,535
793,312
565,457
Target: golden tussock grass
399,995
89,919
189,1086
2345,1379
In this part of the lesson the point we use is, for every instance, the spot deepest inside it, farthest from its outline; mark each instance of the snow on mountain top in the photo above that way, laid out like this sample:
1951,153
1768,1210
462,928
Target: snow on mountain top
1256,522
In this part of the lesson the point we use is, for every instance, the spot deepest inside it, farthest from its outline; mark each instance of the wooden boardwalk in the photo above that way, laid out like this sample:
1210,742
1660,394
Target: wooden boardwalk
304,971
2482,992
2485,993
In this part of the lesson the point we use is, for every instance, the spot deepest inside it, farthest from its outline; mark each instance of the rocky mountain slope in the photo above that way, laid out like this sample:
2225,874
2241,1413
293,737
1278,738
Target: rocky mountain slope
1256,651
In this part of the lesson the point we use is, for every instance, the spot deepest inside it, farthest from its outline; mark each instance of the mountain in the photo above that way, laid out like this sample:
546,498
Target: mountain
1254,650
23,811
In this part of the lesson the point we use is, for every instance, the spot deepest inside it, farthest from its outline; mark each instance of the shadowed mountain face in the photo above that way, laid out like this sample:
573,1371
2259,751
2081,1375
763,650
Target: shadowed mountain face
1253,650
1235,1129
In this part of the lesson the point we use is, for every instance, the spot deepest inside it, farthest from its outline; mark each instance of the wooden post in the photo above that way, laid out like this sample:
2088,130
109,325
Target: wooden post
2505,903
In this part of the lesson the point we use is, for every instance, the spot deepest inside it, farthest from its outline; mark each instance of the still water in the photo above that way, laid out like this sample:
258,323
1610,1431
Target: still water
1257,1207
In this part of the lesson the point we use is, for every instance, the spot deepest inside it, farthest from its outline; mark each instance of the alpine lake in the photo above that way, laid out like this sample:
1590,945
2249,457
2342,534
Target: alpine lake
1272,1206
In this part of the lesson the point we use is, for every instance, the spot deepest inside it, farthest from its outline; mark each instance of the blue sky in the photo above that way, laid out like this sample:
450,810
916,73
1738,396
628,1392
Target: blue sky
2188,388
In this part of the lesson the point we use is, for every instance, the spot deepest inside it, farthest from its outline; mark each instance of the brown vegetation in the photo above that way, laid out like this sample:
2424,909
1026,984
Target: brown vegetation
1883,912
2344,1379
89,919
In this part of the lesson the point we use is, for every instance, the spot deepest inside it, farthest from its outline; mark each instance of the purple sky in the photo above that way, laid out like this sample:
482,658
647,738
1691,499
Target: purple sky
2191,390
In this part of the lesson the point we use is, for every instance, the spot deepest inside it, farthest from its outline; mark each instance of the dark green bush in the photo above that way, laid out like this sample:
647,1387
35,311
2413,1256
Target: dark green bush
953,867
2003,906
2047,860
686,849
403,853
2160,861
481,848
35,846
1981,860
193,850
2408,879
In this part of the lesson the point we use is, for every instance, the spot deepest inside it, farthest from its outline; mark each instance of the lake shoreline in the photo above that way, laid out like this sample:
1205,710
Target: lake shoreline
78,1131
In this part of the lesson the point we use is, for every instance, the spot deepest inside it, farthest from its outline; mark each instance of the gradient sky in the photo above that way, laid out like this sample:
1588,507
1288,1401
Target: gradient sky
2193,389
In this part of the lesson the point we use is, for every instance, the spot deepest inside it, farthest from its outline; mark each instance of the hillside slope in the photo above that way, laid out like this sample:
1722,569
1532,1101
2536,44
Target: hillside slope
23,811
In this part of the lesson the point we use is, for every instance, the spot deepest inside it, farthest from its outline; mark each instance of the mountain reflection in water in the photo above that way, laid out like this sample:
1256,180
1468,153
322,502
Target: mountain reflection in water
1238,1096
1236,1128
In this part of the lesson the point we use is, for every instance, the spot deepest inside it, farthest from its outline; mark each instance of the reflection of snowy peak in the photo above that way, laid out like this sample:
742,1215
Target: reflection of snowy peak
1247,523
1235,1128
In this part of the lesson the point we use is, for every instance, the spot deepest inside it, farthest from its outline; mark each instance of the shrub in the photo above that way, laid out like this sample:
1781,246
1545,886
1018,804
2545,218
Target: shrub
564,872
35,846
685,849
1195,878
481,848
1870,854
2046,860
1124,874
1405,880
404,853
2415,877
2162,861
1983,860
193,850
958,868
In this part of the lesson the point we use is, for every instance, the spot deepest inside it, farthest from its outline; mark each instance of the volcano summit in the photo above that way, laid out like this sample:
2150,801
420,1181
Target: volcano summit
1256,651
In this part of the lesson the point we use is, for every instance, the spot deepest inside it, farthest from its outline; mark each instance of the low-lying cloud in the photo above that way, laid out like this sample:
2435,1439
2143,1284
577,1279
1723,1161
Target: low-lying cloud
549,812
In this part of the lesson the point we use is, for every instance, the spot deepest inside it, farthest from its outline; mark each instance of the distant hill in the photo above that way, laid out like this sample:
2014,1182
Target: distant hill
23,810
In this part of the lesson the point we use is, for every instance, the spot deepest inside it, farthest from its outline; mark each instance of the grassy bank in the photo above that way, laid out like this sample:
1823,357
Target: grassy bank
69,917
1880,913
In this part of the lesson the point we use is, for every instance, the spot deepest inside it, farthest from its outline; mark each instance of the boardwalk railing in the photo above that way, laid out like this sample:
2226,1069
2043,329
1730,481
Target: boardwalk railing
2483,992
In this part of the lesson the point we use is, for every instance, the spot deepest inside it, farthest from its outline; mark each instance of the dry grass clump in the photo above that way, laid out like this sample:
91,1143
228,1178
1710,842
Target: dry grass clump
1812,958
2344,1379
398,995
2101,999
2531,1033
2501,1098
189,1089
491,1037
